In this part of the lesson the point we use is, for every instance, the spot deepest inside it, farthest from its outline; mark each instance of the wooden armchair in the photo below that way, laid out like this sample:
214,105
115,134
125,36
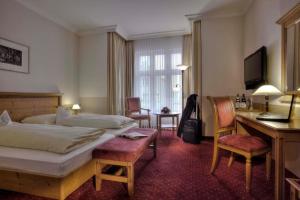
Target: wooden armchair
245,145
134,110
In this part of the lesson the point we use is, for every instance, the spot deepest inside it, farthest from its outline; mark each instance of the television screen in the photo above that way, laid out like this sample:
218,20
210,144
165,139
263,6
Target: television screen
255,68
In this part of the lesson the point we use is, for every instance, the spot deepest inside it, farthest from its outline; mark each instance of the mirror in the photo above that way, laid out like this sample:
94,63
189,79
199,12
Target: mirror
290,70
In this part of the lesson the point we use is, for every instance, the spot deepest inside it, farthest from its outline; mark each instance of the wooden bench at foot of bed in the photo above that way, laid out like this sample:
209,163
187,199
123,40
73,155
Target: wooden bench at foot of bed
122,153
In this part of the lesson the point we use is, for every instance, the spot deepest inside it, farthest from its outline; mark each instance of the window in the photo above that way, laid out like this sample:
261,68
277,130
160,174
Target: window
159,62
144,63
157,81
175,60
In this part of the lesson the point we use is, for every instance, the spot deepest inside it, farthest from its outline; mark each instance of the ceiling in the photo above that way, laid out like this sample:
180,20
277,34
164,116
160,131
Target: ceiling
134,17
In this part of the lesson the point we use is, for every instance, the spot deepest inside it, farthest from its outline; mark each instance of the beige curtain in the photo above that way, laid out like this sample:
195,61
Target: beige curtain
116,59
297,57
129,69
197,61
187,60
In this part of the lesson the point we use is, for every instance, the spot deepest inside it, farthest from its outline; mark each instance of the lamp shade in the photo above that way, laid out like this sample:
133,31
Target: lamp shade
267,90
298,89
182,67
76,107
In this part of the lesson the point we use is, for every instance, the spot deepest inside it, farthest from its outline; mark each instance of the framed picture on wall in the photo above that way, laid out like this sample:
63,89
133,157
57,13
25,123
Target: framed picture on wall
14,57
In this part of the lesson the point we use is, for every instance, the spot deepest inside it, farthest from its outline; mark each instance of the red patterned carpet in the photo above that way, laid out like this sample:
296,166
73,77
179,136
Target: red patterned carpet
181,171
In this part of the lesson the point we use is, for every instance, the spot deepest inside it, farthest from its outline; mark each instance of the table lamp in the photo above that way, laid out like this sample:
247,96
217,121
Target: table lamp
182,68
76,108
267,90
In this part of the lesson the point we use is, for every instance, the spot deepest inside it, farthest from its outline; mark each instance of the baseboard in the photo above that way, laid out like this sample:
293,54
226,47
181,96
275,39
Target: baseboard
208,138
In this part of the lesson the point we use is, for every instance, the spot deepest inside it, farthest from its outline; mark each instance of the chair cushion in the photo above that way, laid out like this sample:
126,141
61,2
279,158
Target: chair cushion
138,117
123,149
243,142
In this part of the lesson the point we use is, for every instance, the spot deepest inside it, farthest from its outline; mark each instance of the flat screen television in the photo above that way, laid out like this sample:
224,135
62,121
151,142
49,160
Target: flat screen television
255,69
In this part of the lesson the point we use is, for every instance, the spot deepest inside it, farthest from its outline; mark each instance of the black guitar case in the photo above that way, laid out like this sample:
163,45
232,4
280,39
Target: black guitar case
190,129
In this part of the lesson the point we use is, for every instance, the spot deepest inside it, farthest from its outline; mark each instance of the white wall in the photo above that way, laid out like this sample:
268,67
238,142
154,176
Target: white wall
93,73
222,54
53,53
261,29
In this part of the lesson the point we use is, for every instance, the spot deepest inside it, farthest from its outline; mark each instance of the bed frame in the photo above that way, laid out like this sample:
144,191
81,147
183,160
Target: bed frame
19,106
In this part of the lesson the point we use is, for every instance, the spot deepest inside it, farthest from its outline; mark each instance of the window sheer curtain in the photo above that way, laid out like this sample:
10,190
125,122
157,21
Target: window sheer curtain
157,81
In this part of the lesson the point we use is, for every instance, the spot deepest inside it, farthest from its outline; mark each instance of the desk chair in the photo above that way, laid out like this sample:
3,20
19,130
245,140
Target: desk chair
245,145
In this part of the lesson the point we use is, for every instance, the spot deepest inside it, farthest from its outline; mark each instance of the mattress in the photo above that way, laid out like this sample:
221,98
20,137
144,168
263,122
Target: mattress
52,164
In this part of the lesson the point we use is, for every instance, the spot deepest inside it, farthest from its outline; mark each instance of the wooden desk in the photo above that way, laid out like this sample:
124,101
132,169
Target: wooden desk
281,133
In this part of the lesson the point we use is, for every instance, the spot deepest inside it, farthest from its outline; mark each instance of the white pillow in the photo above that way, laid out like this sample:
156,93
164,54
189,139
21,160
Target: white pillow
5,119
62,114
40,119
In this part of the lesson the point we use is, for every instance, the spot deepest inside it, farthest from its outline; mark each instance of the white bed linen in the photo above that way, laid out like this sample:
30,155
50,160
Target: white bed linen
52,164
95,121
43,137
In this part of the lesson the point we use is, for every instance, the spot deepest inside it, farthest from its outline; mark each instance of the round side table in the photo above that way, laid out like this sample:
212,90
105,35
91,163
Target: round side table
161,126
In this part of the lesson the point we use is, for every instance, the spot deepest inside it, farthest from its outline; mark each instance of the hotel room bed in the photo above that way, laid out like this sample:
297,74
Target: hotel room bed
42,173
52,164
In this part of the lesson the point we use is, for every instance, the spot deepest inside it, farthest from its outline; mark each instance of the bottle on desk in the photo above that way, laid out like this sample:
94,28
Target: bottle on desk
250,104
243,103
237,101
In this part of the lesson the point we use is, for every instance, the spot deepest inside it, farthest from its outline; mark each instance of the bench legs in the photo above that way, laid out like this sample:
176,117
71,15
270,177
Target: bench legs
118,176
130,176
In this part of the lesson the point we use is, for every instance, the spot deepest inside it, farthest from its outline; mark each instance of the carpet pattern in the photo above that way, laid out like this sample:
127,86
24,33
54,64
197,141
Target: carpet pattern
180,171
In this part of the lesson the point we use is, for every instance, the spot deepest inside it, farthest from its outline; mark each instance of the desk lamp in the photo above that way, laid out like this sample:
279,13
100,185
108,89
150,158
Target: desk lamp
267,90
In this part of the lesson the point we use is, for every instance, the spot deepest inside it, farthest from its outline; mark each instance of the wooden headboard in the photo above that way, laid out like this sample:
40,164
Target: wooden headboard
21,105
